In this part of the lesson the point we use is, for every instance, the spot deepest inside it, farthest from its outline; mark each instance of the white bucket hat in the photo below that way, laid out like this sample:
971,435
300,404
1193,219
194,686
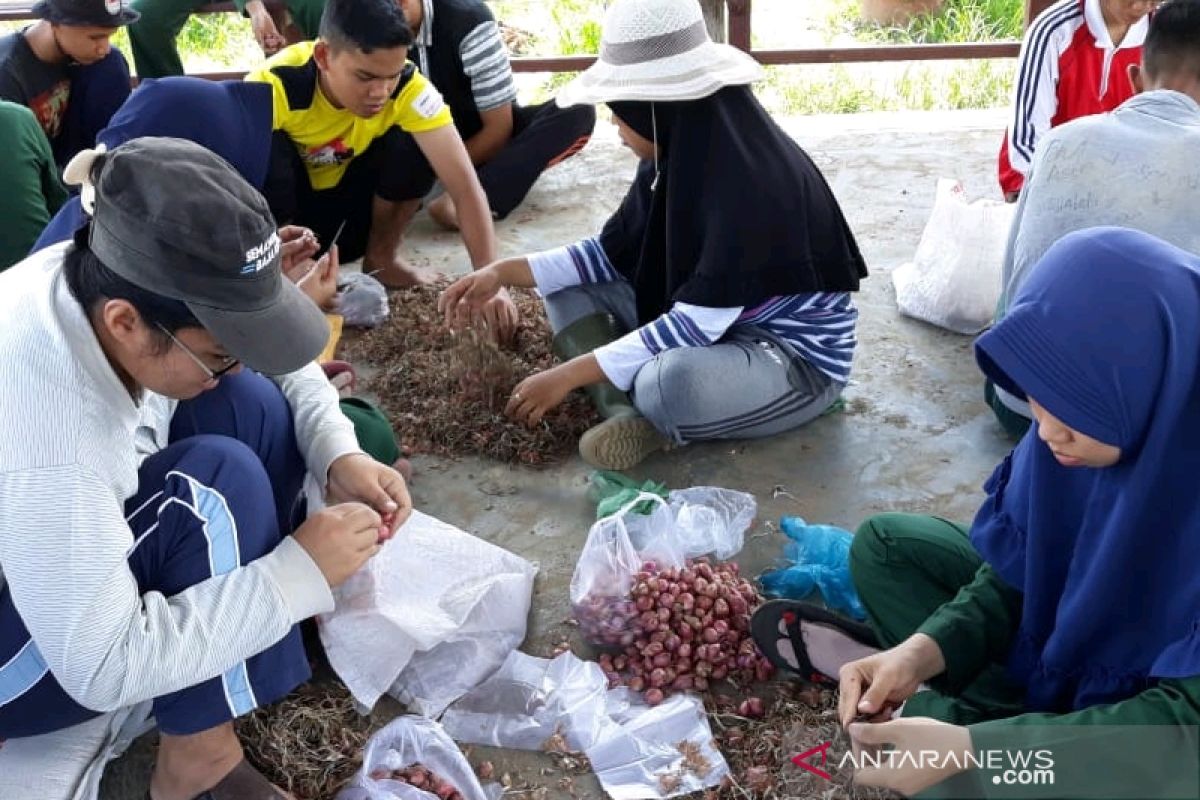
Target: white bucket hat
658,50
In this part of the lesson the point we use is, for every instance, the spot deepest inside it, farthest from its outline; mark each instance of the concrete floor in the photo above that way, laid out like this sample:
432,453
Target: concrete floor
915,435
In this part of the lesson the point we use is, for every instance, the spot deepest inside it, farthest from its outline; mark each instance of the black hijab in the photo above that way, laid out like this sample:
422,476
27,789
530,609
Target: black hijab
739,214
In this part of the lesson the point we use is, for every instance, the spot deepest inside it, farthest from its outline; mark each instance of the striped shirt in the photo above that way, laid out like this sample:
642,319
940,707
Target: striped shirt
820,326
484,61
71,442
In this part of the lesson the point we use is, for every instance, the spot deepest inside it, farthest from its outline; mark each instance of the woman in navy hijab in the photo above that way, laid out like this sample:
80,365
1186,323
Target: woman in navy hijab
1069,612
230,118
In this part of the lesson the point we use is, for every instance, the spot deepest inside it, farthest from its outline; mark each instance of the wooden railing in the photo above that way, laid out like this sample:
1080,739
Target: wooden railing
729,20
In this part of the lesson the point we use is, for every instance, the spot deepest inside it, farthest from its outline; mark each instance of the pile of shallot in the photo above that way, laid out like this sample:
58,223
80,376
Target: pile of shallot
678,630
420,777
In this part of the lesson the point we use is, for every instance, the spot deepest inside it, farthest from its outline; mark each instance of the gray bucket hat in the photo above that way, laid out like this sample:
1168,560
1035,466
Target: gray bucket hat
175,219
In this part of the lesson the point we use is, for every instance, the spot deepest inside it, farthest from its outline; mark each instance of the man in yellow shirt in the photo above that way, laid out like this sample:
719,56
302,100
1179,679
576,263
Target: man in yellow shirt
342,105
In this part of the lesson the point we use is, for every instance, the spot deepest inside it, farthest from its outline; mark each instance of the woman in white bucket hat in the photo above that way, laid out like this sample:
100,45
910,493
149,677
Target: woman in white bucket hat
715,302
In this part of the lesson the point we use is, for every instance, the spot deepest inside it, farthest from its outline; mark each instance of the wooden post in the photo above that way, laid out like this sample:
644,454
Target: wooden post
739,24
714,18
1033,8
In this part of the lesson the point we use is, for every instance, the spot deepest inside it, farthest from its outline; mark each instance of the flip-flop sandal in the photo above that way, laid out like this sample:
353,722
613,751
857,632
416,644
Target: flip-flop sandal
764,627
341,374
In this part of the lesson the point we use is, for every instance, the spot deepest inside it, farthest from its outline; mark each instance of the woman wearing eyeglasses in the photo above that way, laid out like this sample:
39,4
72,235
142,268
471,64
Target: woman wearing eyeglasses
154,557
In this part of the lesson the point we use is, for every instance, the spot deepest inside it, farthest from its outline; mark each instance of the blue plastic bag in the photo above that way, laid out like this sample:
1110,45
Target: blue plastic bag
818,557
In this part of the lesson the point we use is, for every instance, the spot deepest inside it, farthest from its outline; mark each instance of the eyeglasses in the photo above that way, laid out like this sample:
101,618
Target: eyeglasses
229,364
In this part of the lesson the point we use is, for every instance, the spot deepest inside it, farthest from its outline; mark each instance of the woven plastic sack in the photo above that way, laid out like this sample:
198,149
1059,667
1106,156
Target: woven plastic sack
954,278
431,616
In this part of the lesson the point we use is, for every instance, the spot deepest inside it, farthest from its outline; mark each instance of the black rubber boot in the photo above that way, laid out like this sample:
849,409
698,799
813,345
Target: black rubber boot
625,437
583,336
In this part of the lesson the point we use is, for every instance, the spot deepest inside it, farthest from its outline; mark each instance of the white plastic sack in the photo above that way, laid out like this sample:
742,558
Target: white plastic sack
431,616
633,748
694,522
405,742
954,279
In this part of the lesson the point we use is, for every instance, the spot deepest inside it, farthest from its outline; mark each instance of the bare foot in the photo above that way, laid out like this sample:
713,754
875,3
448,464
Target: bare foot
397,273
444,213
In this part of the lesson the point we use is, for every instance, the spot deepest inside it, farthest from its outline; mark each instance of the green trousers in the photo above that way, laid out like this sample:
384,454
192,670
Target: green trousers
906,566
153,36
372,429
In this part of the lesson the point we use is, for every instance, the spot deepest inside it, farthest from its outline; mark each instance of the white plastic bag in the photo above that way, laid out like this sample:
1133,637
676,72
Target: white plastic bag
691,523
643,757
529,700
431,616
362,300
633,748
405,742
954,279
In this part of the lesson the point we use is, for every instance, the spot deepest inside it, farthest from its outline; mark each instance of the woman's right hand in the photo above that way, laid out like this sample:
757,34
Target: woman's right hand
874,686
460,301
340,539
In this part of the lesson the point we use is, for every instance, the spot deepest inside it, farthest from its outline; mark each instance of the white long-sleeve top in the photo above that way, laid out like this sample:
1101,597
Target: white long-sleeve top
71,441
819,325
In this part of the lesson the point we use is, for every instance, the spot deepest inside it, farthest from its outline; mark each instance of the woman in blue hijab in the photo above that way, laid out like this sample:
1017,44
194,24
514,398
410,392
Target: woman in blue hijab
230,118
1072,604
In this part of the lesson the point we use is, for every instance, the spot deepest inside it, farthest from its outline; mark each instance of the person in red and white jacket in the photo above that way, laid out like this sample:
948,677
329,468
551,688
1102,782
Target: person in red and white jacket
1074,63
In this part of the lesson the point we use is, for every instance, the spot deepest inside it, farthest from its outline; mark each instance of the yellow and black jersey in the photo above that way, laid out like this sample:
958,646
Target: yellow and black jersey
329,138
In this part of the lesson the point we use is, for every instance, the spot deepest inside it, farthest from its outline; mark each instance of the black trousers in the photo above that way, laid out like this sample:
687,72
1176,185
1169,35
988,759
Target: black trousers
543,135
381,171
395,169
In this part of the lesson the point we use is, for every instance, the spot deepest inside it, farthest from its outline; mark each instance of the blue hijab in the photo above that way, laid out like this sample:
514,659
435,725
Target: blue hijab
231,118
1105,335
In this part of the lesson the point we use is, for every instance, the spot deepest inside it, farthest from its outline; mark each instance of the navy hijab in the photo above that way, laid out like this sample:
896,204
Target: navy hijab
231,118
738,214
1105,335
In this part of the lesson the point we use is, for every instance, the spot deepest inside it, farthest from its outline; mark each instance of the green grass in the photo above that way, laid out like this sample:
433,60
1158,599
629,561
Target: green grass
207,42
957,21
224,41
856,88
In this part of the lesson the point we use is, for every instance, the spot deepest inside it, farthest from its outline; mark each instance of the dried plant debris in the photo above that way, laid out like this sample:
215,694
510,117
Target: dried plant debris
445,392
760,751
310,743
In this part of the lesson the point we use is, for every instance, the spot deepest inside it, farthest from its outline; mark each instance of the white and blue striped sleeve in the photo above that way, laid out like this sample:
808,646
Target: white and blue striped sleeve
485,63
1035,94
684,325
575,264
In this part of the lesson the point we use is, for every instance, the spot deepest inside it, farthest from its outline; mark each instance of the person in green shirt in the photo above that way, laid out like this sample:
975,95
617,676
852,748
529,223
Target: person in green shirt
32,191
275,24
1066,620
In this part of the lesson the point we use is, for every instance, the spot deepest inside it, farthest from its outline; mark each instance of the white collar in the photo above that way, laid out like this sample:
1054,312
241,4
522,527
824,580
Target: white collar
1093,15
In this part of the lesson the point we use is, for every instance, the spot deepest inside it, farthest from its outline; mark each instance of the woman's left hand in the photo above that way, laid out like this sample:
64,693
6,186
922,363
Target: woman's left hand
539,394
298,246
358,477
920,738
